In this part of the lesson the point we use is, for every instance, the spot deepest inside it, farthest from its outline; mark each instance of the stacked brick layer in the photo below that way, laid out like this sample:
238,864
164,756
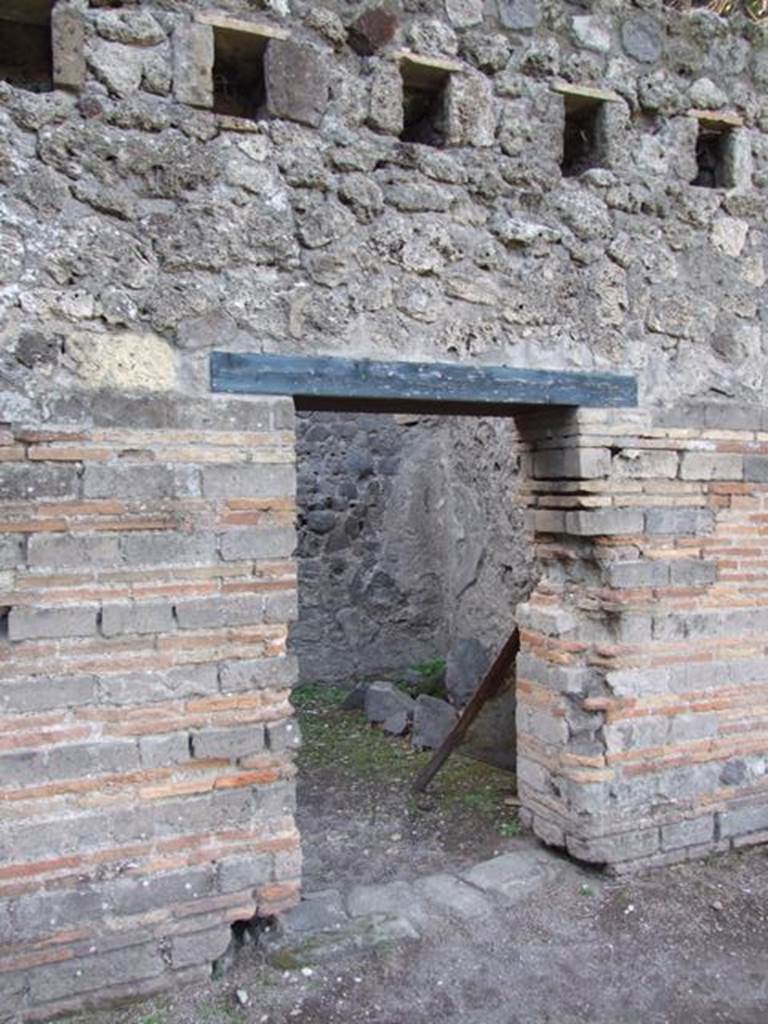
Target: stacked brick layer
643,677
145,727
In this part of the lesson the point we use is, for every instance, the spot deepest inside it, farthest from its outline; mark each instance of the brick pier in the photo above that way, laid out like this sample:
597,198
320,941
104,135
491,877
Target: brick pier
643,678
145,727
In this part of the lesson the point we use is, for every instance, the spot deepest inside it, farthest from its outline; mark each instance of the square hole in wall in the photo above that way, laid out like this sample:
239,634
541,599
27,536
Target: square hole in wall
713,143
582,135
26,54
239,84
424,100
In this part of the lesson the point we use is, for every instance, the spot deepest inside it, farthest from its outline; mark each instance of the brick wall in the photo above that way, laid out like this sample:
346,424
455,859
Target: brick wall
146,578
643,678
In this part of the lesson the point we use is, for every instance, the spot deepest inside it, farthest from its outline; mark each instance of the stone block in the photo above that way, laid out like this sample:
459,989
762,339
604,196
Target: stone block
692,572
756,468
644,464
39,482
69,978
604,522
469,110
372,30
282,606
740,820
514,875
44,693
236,874
193,56
254,542
283,735
216,612
297,82
136,617
634,574
259,674
263,480
711,466
168,547
572,463
233,743
321,911
148,482
73,551
389,707
68,47
520,14
385,110
433,719
27,623
453,896
613,848
466,664
679,521
12,551
163,751
202,947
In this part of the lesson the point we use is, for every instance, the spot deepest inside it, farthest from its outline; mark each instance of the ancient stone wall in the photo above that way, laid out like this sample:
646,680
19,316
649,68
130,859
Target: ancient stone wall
504,182
410,539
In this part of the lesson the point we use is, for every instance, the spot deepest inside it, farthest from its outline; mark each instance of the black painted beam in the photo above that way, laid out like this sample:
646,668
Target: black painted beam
330,377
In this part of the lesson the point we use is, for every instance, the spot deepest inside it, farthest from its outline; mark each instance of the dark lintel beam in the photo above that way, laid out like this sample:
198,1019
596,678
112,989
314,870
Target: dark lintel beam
329,378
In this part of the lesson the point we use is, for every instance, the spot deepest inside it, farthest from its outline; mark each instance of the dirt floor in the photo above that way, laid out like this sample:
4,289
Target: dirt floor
683,945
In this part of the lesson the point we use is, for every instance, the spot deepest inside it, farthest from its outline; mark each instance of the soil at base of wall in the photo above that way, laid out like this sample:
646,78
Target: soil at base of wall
359,819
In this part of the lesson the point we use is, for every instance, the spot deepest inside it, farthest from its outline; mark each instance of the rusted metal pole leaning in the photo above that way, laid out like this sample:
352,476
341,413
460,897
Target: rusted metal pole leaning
489,687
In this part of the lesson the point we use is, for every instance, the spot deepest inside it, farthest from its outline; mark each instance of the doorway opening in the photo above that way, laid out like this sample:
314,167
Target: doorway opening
411,559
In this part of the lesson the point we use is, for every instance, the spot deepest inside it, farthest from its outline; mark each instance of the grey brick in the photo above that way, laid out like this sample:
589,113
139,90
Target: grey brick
87,974
264,673
161,751
258,542
283,735
75,760
679,521
604,522
609,849
240,873
38,481
41,914
572,463
200,947
738,821
692,572
282,606
52,623
147,482
638,574
213,612
136,617
711,466
193,54
11,552
168,548
135,895
250,480
42,693
234,743
145,687
756,468
28,841
276,800
644,464
284,414
68,551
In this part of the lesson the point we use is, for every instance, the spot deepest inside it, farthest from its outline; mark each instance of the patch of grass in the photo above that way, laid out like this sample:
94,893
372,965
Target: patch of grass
319,695
342,741
509,829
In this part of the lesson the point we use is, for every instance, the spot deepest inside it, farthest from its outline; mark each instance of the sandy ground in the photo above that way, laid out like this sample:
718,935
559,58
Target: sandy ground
682,945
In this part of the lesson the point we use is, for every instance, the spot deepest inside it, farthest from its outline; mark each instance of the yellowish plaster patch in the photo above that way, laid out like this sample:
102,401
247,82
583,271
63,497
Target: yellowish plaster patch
126,362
